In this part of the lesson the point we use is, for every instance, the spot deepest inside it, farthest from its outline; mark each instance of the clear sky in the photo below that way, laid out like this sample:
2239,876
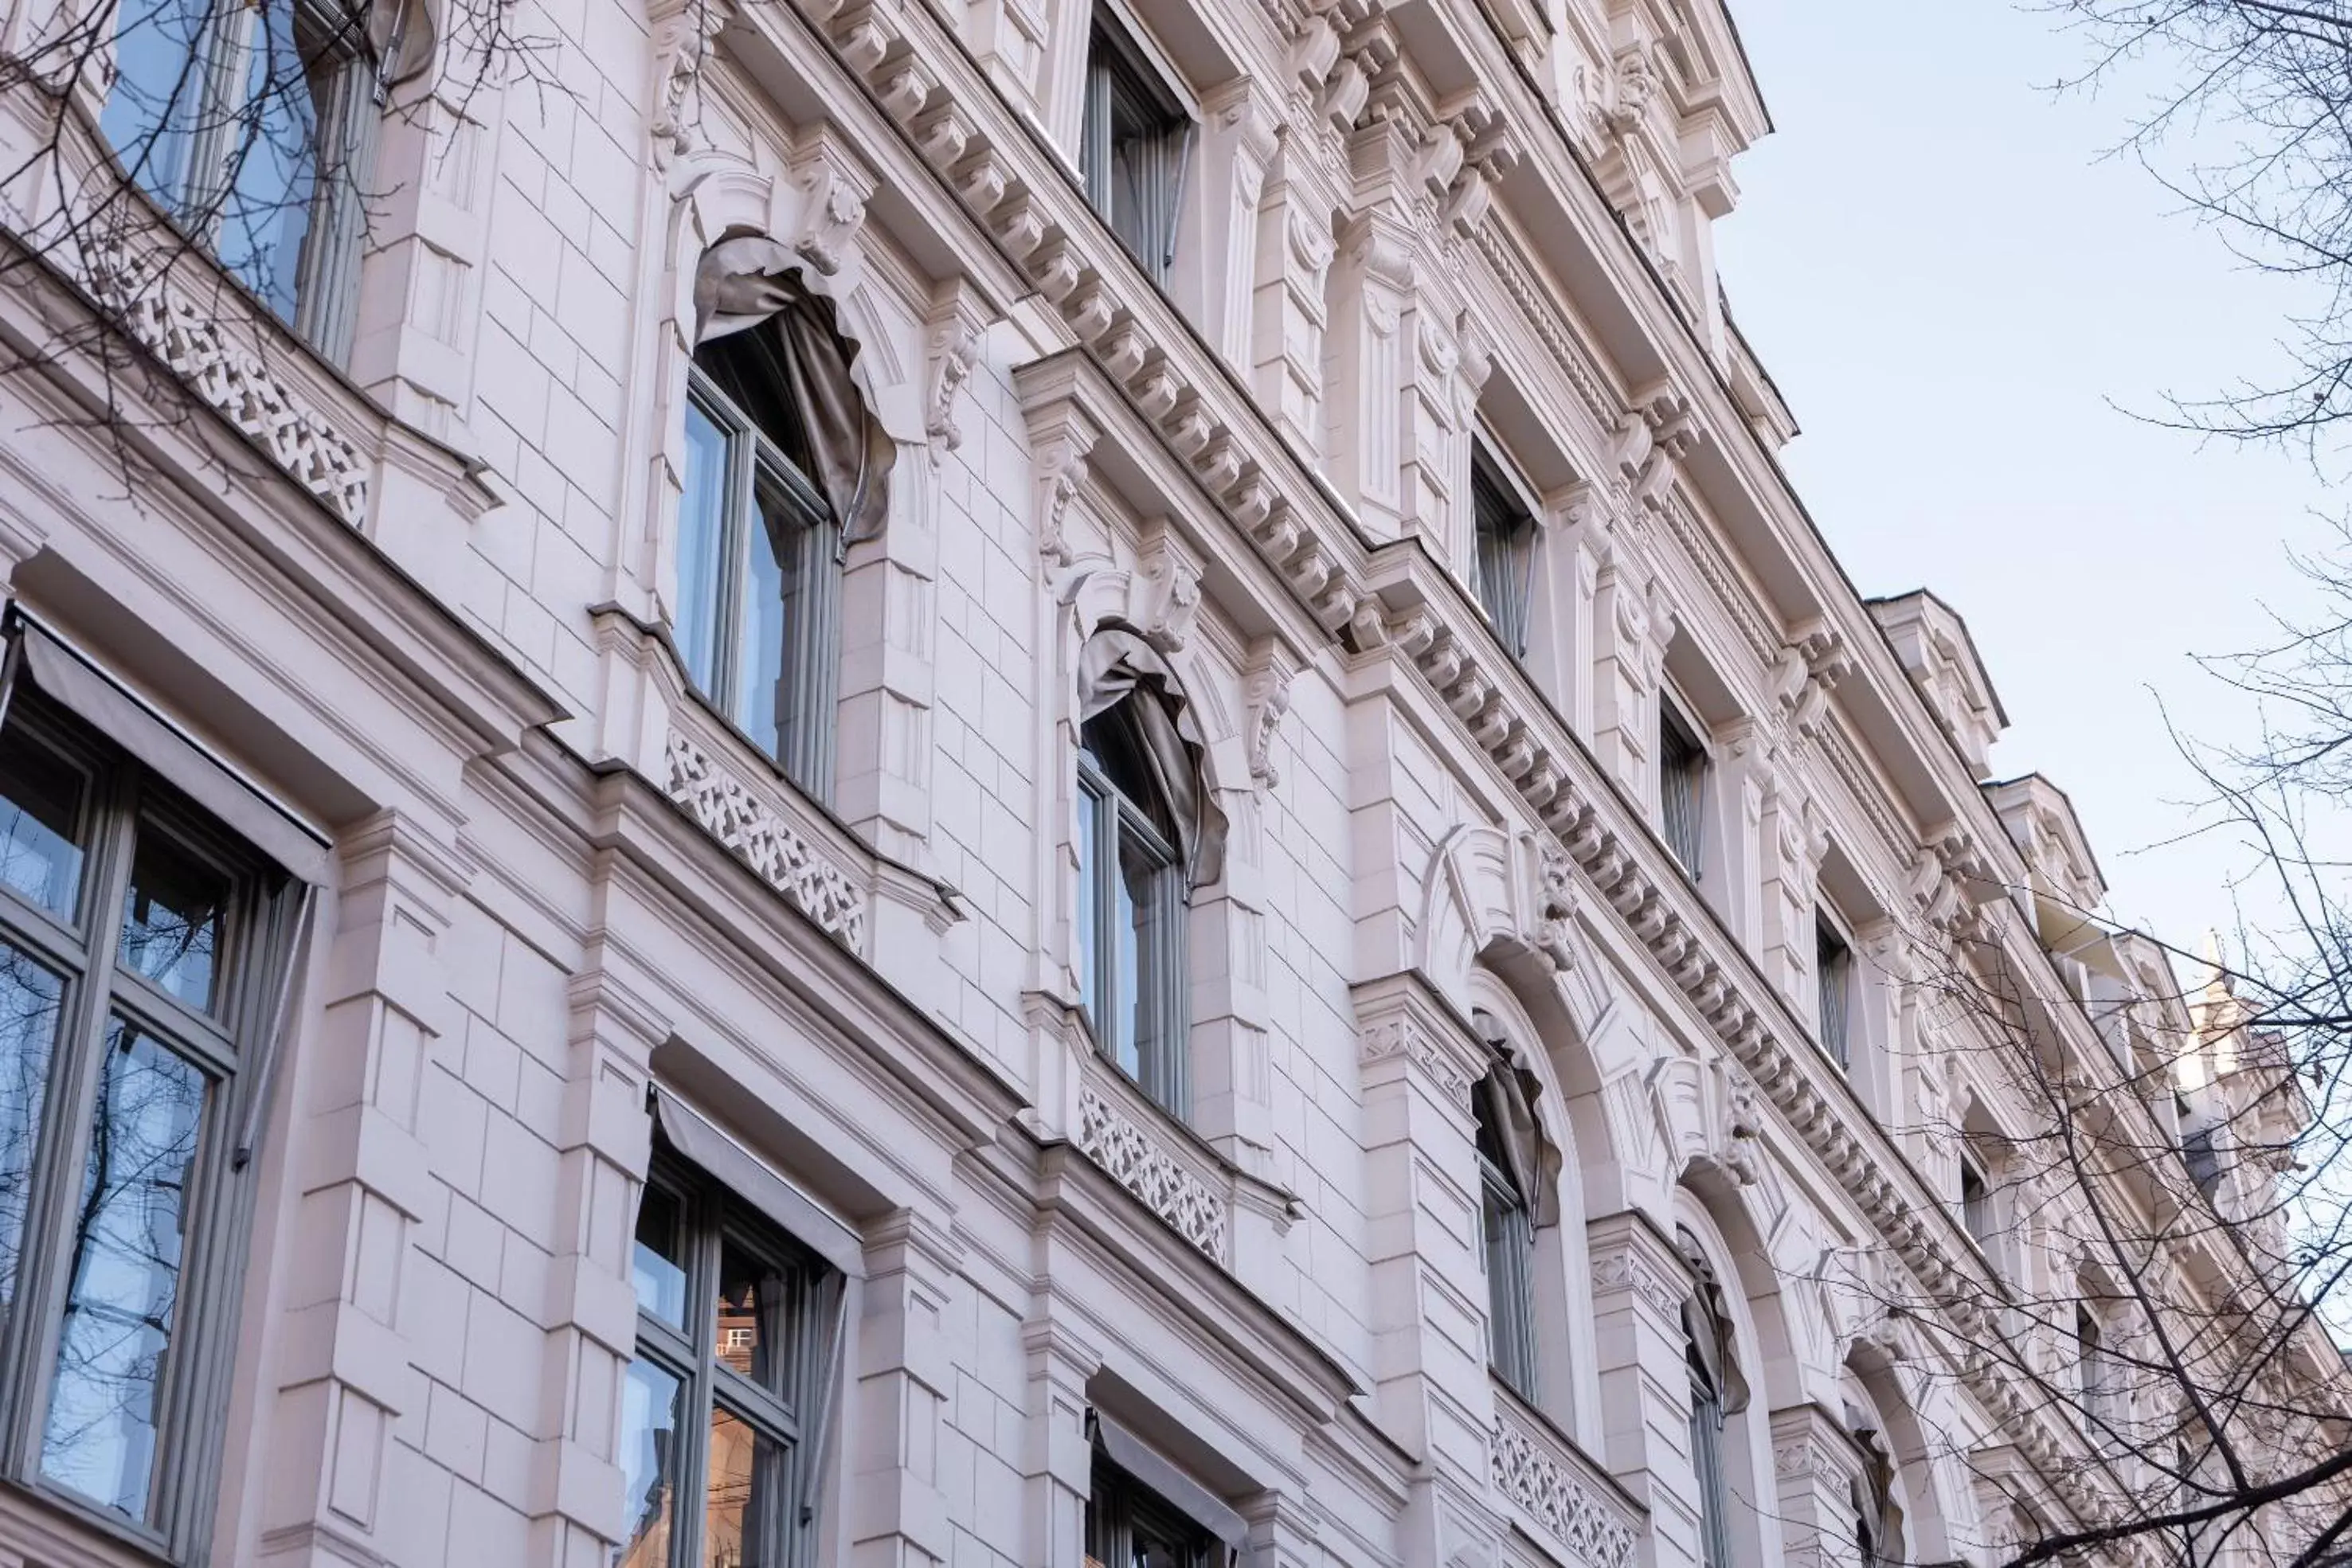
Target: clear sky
1960,294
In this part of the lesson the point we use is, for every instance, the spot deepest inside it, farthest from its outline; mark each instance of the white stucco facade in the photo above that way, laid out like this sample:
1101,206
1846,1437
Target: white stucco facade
425,600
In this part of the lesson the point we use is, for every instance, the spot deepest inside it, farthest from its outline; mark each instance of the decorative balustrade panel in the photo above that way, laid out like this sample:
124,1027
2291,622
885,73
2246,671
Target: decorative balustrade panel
763,838
1138,1160
1560,1495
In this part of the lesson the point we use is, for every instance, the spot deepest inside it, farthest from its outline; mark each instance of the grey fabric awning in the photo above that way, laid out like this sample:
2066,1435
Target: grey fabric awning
1163,1477
748,1178
45,660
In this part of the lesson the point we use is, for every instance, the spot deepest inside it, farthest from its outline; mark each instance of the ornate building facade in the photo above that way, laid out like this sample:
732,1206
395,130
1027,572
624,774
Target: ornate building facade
1016,782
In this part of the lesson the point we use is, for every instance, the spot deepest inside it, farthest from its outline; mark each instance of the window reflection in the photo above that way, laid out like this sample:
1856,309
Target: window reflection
28,1028
172,915
658,1265
647,1458
751,1305
743,1524
701,530
41,811
104,1409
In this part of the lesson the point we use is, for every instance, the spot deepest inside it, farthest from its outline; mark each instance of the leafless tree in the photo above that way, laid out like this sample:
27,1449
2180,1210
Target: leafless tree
2249,128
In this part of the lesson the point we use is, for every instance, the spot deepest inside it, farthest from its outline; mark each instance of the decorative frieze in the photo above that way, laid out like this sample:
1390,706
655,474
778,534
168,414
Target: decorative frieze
763,840
1597,1531
198,342
1406,1036
1136,1160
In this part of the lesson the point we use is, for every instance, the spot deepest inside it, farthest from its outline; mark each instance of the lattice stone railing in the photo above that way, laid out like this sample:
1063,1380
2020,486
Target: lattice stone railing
1140,1162
198,342
1544,1479
763,838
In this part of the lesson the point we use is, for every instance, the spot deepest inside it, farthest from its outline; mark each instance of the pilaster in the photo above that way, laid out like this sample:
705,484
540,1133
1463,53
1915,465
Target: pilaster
1639,1284
1815,1470
346,1334
906,1375
1369,353
1428,1307
1058,1463
1215,280
1289,308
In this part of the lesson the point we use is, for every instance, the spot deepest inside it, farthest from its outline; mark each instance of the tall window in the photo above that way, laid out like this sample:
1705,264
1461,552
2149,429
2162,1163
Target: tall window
1505,1225
2091,1363
253,124
1707,1424
1682,785
1833,985
1132,903
724,1408
2197,1149
759,566
1136,147
1507,550
1718,1392
142,949
1976,1203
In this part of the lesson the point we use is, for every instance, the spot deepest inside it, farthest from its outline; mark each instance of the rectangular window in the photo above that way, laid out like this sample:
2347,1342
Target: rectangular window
1128,947
1505,1228
1707,1421
1976,1203
1507,550
1135,147
1682,787
725,1407
1833,978
253,126
2091,1357
143,946
758,571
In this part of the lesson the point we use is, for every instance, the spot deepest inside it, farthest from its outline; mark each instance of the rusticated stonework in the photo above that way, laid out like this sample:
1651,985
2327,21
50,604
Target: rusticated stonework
1595,1533
766,842
1134,1160
198,344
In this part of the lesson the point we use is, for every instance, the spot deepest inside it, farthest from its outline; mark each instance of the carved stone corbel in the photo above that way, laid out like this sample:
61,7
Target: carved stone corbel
1060,439
1267,694
957,320
1171,587
683,36
838,184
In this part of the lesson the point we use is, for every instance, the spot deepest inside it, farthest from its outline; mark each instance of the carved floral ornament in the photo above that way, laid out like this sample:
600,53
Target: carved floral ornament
1574,1513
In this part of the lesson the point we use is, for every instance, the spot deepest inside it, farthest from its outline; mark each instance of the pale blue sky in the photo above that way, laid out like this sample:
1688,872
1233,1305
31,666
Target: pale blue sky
1953,289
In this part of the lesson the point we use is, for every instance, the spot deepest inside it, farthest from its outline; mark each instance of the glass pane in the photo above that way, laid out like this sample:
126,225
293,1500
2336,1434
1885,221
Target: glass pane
40,818
701,538
158,89
1085,940
754,1298
1115,1024
745,1524
763,704
649,1460
105,1418
658,1265
273,162
29,1030
171,916
1146,955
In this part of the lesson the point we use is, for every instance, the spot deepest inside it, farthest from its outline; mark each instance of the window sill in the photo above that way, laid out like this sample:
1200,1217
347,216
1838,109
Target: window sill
42,1526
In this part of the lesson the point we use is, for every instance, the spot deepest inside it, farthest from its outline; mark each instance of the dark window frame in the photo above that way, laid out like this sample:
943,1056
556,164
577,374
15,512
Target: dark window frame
712,1218
1684,766
766,469
221,1047
1119,1508
1118,825
1707,1423
210,118
1506,1233
1506,540
1977,1216
1133,121
1833,988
